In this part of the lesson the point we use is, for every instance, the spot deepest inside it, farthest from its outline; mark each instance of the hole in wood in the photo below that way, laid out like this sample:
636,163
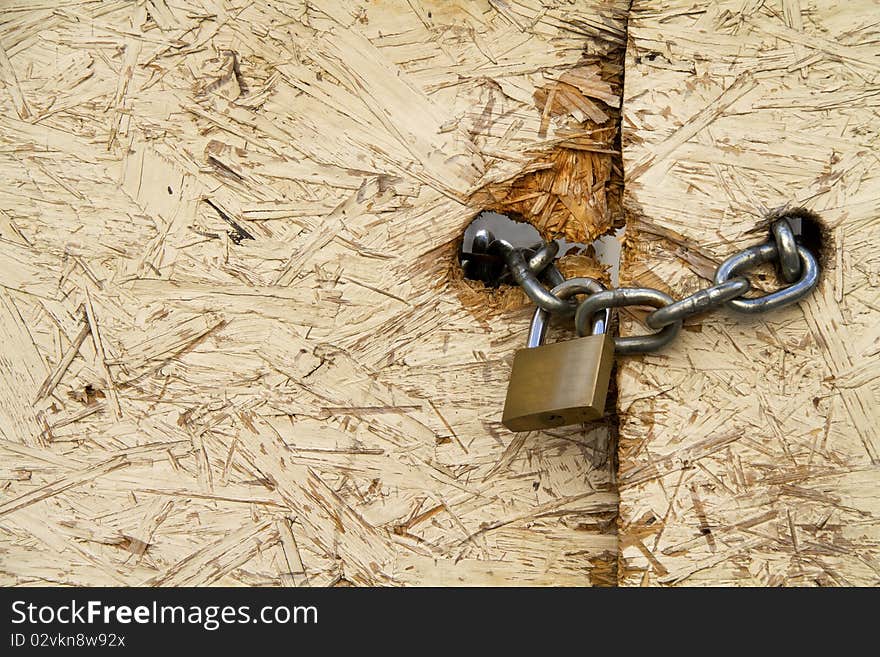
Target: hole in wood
479,265
808,231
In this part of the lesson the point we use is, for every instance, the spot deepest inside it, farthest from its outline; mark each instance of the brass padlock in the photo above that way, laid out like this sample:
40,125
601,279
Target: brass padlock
552,385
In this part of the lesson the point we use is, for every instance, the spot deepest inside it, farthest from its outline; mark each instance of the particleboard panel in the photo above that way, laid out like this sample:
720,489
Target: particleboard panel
236,348
749,448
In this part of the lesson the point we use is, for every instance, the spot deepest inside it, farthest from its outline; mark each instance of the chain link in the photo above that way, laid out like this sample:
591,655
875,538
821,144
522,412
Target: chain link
797,266
757,255
789,258
629,296
528,281
600,320
699,302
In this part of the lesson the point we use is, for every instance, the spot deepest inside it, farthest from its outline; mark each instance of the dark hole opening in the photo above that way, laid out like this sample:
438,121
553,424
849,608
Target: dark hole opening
480,263
808,230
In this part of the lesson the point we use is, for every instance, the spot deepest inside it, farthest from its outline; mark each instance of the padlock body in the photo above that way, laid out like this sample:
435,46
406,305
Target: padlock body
559,383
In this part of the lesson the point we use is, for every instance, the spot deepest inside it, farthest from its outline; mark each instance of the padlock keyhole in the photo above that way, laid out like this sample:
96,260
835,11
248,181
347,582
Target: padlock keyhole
480,265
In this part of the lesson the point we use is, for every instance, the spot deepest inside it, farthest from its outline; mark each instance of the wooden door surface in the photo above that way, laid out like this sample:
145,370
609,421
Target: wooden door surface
749,450
237,346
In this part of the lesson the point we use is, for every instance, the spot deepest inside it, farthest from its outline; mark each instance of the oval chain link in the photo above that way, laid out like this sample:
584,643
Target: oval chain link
565,290
629,296
699,302
528,280
789,258
757,255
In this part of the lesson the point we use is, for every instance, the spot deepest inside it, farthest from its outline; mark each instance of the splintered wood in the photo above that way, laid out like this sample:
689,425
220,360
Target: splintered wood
750,449
233,343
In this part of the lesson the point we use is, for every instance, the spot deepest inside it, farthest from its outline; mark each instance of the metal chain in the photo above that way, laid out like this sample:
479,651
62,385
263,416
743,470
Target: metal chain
522,273
628,296
600,321
525,266
798,268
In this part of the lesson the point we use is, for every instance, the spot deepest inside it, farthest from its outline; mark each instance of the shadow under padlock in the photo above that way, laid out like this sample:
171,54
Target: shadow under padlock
562,383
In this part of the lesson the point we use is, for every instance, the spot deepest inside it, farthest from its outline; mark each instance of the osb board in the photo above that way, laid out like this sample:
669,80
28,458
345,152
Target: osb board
236,348
749,449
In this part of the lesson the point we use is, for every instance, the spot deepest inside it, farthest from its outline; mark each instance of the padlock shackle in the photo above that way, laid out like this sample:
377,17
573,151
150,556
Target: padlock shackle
566,289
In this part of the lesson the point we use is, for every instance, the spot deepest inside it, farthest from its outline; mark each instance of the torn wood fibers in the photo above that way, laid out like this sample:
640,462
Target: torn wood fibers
236,347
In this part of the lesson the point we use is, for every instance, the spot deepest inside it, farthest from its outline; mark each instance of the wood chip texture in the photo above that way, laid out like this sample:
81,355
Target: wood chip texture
750,449
235,346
